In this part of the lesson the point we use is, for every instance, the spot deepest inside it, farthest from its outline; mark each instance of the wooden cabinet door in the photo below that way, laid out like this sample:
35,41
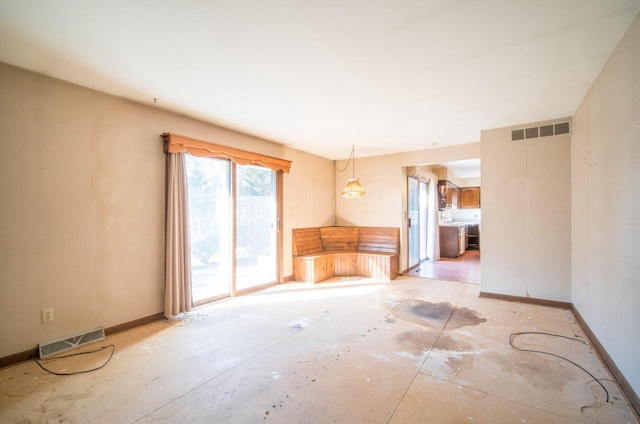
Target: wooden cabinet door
448,242
452,201
470,197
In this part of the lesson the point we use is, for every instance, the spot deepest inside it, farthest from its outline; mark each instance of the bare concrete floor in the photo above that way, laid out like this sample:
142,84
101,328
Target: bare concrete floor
415,350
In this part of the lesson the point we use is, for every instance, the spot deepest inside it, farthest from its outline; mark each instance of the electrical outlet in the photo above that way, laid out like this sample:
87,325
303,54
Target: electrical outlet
47,315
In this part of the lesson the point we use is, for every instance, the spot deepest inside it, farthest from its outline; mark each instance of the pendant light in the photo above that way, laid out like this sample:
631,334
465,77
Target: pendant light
353,190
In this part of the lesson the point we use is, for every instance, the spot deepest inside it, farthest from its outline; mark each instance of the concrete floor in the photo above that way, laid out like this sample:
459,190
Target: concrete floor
415,350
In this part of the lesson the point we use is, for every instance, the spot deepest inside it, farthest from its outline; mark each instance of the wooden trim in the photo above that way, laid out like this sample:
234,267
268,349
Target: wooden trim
233,214
530,300
174,143
288,279
133,324
280,225
632,396
16,358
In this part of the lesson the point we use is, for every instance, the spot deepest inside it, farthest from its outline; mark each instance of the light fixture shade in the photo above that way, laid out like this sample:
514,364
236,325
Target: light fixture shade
353,189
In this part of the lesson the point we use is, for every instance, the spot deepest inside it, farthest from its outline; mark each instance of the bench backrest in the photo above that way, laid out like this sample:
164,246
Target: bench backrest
307,241
339,239
379,239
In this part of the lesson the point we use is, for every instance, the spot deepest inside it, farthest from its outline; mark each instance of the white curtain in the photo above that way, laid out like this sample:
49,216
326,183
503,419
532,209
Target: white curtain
177,293
433,230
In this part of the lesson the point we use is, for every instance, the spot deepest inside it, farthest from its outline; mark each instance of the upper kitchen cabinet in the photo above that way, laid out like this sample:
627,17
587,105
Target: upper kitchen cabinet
469,197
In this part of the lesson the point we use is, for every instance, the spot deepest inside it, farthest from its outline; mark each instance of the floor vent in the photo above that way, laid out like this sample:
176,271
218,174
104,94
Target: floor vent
60,345
559,128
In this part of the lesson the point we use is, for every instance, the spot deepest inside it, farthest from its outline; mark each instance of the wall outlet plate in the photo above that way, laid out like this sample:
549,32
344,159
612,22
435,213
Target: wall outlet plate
47,314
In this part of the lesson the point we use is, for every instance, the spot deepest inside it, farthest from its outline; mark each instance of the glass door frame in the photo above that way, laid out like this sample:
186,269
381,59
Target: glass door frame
417,244
279,197
413,224
279,177
423,194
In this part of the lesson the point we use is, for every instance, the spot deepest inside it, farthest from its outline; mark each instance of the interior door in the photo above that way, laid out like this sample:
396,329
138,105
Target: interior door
413,221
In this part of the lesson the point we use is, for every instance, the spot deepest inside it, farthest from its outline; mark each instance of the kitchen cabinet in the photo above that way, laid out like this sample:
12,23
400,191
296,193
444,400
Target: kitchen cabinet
469,197
453,240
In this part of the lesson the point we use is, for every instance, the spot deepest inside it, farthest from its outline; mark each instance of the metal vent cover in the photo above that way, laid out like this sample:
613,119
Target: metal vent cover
559,128
60,345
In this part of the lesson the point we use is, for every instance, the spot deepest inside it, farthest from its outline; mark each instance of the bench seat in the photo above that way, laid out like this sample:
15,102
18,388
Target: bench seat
326,252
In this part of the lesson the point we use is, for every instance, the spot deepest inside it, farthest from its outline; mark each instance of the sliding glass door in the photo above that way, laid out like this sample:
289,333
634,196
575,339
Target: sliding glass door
209,195
232,227
418,219
413,221
423,220
256,226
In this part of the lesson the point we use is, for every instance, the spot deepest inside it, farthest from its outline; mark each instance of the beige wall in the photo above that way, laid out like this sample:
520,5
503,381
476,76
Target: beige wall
526,215
384,178
82,223
606,206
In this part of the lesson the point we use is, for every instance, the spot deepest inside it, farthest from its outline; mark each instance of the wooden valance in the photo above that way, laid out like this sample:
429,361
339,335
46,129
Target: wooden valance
174,143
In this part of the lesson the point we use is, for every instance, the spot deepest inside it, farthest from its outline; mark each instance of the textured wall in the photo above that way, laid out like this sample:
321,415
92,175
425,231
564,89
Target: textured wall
606,203
526,215
82,182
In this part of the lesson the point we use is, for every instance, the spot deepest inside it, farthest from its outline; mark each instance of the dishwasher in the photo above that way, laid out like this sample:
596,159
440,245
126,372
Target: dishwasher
462,239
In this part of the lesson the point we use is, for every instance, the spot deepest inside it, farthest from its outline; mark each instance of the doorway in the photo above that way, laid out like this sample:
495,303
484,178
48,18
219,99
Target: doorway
464,177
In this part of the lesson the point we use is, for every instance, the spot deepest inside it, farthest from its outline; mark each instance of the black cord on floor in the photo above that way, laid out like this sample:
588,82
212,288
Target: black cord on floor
514,335
113,349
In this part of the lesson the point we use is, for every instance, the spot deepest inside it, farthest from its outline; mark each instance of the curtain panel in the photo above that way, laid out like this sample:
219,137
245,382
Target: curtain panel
433,230
177,295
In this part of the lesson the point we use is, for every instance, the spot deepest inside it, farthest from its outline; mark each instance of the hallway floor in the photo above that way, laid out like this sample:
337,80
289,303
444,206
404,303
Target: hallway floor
465,268
415,350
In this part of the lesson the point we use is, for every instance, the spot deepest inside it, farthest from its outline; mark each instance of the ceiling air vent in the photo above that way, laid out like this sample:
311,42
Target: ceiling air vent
562,128
517,135
546,130
559,128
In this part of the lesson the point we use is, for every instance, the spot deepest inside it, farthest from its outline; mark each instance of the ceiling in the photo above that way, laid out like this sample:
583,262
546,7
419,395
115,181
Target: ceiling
468,168
320,76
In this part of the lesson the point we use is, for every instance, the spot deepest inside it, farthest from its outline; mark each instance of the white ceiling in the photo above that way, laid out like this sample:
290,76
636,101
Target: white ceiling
387,76
468,168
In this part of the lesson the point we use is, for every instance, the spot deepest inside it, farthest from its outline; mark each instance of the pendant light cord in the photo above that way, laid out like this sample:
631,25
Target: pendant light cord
348,161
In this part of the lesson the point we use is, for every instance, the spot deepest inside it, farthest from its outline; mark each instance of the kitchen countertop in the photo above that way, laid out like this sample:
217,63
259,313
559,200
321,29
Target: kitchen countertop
458,223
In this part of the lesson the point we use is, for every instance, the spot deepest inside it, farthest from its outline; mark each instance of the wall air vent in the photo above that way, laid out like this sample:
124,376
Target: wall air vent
60,345
559,128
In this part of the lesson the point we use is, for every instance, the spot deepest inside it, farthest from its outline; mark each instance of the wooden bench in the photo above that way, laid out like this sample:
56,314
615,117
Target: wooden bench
323,252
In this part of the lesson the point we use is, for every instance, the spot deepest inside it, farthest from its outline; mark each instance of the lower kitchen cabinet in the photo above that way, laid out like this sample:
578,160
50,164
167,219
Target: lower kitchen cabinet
452,241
